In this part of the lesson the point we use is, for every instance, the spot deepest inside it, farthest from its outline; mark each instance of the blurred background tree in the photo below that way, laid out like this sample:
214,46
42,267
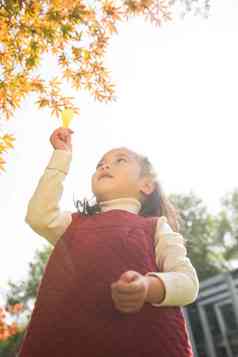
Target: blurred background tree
21,295
202,231
228,227
11,331
25,292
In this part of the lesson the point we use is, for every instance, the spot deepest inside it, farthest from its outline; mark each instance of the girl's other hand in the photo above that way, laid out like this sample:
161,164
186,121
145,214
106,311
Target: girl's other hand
61,139
129,292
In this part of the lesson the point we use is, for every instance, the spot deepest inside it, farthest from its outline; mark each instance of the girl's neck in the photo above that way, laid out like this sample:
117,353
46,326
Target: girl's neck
128,204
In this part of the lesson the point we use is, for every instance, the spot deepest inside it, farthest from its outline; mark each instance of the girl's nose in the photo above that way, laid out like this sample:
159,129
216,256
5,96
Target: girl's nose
105,166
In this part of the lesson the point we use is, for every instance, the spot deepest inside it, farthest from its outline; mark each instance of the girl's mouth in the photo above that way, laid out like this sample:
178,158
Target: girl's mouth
105,176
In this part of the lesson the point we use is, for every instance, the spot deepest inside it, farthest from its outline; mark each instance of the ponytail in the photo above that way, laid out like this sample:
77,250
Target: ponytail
157,205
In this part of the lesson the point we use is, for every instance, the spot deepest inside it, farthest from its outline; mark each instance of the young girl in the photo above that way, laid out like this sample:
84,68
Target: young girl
118,274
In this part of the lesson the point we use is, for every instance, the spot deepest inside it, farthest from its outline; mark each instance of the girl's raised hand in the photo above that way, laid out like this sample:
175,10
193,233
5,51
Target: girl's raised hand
61,139
129,292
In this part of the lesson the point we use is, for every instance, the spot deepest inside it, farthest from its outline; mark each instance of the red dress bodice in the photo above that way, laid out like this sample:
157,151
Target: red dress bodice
74,315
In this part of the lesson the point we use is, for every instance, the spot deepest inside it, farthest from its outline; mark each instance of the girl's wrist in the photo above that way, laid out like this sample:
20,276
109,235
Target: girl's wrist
155,291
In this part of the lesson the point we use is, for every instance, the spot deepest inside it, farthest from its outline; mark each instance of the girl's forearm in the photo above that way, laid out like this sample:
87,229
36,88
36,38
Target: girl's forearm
156,290
43,212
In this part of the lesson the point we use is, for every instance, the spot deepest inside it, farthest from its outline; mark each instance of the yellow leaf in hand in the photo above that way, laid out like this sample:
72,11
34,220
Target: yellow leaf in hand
86,54
66,117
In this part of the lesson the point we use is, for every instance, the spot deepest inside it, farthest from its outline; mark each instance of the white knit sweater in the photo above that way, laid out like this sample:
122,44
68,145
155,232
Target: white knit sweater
46,218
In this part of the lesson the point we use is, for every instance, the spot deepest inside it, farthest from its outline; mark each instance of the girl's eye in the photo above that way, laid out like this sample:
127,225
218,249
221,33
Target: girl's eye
120,159
98,165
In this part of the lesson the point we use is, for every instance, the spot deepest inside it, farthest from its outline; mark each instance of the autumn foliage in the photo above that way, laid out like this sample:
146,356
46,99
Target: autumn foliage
8,330
76,33
6,143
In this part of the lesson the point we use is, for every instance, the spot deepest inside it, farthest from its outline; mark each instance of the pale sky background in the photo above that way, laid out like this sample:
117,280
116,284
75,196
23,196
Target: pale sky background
177,103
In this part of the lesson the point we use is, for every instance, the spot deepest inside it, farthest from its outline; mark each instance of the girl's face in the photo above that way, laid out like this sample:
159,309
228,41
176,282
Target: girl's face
118,175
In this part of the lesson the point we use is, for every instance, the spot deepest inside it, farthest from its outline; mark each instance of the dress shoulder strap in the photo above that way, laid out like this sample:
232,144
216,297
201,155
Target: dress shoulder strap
157,222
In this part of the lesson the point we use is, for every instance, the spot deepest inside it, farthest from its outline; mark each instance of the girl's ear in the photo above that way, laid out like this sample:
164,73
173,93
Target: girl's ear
147,186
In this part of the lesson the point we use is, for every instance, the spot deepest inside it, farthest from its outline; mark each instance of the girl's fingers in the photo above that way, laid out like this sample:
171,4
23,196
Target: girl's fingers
129,308
126,306
66,131
127,302
129,276
126,298
64,136
125,288
68,140
61,136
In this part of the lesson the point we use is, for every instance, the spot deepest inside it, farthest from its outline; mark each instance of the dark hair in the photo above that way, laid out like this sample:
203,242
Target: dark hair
85,209
156,204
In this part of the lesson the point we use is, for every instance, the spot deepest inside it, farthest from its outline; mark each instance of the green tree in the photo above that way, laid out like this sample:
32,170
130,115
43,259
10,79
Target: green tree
228,227
200,229
25,292
10,332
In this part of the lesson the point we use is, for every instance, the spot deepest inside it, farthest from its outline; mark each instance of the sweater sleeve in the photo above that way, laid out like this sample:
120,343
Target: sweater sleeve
43,212
176,270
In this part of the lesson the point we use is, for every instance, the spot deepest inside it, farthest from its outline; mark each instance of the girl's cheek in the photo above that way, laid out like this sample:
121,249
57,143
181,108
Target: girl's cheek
93,182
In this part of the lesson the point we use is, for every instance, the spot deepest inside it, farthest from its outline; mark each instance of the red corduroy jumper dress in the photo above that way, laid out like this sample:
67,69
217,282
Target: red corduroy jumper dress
74,315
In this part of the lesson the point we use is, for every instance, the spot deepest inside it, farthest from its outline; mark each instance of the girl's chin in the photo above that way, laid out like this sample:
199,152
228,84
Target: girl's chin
105,197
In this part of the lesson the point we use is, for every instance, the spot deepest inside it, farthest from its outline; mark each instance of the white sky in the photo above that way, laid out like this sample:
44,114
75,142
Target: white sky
177,103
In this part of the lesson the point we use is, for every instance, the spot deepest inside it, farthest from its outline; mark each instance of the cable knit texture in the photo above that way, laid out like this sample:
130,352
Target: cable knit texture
74,314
